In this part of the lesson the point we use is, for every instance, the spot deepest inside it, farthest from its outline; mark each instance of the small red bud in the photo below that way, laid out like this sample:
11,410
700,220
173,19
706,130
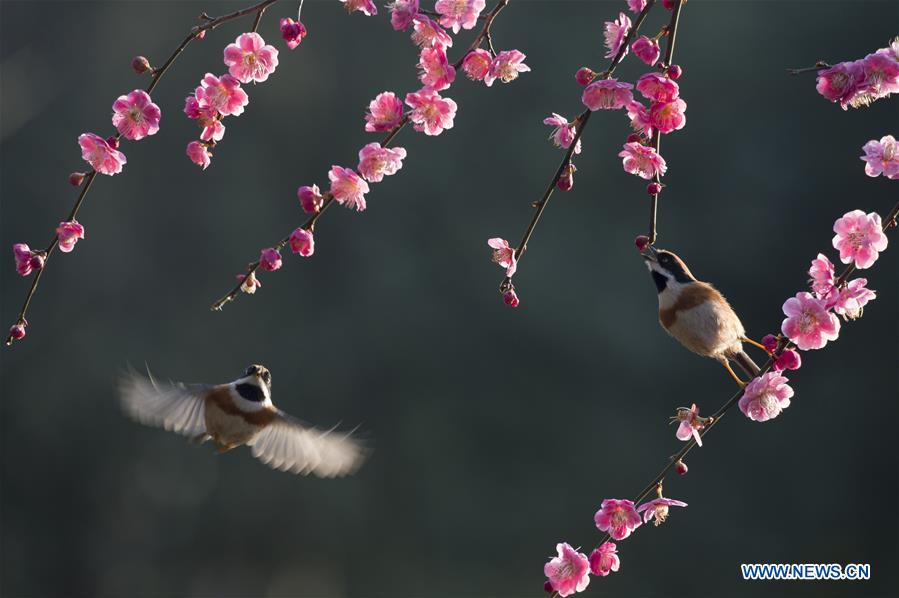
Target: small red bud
654,188
681,468
633,137
769,341
201,34
140,65
641,242
17,332
669,4
37,261
584,75
76,178
566,181
113,142
548,587
510,298
674,72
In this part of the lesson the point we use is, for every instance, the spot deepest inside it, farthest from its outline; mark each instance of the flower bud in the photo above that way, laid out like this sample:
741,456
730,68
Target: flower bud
633,138
112,142
584,75
788,360
548,587
270,259
641,242
769,341
302,242
310,198
510,298
654,188
17,332
674,72
681,468
37,263
566,181
292,32
76,178
201,34
140,65
669,4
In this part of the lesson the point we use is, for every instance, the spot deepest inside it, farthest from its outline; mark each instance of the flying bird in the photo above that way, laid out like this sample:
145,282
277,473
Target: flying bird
697,314
241,413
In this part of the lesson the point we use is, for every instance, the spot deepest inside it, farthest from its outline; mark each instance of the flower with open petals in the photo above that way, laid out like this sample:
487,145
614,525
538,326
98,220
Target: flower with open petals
68,234
850,300
223,94
668,116
504,255
841,82
607,94
506,67
435,70
859,238
384,112
658,88
476,64
615,34
426,32
788,359
642,160
348,188
690,424
882,157
604,560
366,7
135,115
376,162
430,112
647,50
250,59
249,284
207,117
310,198
302,242
270,259
459,13
809,324
881,75
569,572
636,6
765,397
401,13
822,276
97,152
658,509
564,132
292,32
618,517
639,117
27,260
199,154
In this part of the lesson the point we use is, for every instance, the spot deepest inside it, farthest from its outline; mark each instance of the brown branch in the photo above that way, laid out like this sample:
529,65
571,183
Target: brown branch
156,75
819,66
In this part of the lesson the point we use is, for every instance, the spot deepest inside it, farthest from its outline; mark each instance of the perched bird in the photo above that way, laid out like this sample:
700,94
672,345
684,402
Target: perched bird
697,315
237,413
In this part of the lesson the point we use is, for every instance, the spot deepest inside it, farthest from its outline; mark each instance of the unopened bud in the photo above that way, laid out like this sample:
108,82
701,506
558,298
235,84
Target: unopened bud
641,242
510,298
674,72
566,181
584,75
140,65
681,468
654,188
76,178
17,332
112,142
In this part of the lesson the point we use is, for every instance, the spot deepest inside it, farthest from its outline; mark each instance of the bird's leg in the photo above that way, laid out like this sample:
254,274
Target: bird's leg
224,449
752,342
730,371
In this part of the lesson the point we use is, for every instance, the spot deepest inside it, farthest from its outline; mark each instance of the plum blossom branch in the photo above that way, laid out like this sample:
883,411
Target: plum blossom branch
136,117
430,113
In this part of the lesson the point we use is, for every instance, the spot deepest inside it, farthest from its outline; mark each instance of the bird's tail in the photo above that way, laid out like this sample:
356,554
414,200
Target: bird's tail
747,365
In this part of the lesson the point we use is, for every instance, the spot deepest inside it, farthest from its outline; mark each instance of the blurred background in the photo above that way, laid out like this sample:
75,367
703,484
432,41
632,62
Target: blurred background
496,432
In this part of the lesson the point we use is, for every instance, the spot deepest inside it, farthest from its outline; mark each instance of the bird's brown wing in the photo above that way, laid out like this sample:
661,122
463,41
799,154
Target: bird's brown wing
168,405
290,445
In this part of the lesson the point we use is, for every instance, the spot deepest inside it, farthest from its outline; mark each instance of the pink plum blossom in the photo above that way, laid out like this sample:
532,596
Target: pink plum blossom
270,259
564,132
647,50
504,255
841,82
765,397
690,424
68,234
658,509
302,242
789,359
642,160
618,517
250,59
881,76
849,300
97,152
401,13
604,560
822,276
292,32
348,188
207,117
882,157
506,67
366,7
426,32
639,116
859,238
636,6
199,154
459,13
615,34
249,284
668,116
809,324
26,259
658,88
569,572
310,198
607,94
436,71
476,63
376,162
430,112
223,94
384,112
135,115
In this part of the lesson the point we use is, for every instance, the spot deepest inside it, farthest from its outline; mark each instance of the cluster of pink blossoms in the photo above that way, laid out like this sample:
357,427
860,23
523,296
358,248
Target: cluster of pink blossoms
248,60
569,572
859,82
882,157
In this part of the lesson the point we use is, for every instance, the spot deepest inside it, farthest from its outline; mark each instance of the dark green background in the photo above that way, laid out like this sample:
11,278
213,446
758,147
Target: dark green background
496,432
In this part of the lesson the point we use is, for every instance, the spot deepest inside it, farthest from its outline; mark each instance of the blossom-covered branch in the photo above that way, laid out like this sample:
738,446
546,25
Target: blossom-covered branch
135,117
428,112
603,92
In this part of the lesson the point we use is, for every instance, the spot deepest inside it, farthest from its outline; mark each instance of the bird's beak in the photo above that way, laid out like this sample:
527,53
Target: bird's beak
649,254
